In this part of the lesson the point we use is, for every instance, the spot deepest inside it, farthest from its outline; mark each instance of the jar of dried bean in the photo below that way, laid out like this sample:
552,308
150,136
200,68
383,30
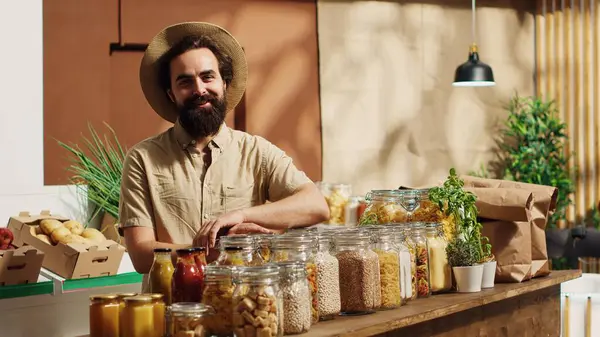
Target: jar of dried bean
218,294
360,289
237,250
257,302
296,297
187,319
300,247
389,269
421,260
328,279
439,269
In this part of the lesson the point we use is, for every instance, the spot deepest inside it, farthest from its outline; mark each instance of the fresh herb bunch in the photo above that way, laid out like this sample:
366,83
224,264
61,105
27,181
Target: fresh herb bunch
453,199
462,253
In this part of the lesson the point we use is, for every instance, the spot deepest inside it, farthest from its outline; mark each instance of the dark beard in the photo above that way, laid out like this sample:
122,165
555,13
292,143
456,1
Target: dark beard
200,122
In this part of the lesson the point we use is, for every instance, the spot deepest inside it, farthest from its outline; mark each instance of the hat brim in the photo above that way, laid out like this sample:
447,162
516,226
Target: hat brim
163,41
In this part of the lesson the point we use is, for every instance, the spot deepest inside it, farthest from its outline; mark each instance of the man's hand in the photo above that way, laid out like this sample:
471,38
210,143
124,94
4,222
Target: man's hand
248,228
207,236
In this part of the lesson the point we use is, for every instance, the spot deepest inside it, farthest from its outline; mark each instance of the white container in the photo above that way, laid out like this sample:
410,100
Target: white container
489,275
468,279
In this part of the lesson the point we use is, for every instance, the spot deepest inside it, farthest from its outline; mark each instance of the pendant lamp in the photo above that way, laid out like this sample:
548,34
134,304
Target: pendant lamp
473,73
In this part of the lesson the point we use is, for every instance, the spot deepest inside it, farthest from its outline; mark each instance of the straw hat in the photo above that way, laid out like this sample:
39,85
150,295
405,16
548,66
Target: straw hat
163,41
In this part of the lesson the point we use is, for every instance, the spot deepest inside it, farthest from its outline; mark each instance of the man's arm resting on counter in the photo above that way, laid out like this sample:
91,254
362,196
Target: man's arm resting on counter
305,207
141,243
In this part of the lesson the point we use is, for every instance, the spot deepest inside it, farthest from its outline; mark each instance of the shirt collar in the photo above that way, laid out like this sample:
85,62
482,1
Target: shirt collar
220,140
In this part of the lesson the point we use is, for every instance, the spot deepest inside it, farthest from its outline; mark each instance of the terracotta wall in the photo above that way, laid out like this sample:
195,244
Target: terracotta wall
390,114
84,83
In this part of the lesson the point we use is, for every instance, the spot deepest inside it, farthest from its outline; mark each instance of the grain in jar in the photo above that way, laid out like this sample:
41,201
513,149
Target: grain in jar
389,269
257,302
328,282
421,260
296,297
104,316
138,317
439,269
187,319
358,271
218,294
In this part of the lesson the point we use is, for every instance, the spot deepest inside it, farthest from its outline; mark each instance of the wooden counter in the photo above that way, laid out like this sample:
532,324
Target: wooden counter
530,308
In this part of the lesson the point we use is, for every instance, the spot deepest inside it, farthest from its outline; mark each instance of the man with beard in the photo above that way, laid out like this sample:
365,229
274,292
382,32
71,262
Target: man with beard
200,179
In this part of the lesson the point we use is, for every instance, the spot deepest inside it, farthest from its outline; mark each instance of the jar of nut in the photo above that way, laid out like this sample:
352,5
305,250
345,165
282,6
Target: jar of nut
218,293
237,250
257,302
187,319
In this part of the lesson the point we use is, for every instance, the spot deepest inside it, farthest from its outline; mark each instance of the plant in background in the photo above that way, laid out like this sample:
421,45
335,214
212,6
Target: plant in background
98,175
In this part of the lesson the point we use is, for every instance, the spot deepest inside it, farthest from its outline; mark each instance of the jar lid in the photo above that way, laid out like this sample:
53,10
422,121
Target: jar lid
214,270
184,251
291,267
155,296
104,297
162,250
294,241
417,225
269,270
191,308
244,241
138,299
123,295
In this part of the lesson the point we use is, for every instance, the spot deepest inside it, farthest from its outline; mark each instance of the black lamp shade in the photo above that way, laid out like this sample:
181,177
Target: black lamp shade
474,73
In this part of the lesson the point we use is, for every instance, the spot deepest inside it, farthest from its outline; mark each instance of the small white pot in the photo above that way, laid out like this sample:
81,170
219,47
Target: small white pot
489,275
468,279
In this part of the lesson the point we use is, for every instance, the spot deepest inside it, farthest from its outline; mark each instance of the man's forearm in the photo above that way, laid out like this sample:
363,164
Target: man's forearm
304,208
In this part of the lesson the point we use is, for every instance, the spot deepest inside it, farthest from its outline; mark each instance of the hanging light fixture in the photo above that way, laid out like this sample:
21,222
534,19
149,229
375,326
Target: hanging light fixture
473,73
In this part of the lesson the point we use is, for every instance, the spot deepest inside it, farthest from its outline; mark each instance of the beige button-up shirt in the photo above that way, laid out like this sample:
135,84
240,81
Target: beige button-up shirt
167,186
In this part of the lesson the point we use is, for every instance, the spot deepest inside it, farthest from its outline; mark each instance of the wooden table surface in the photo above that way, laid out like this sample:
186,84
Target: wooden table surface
436,306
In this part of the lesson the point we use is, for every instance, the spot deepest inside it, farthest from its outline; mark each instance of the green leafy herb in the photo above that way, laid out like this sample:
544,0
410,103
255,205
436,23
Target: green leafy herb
462,253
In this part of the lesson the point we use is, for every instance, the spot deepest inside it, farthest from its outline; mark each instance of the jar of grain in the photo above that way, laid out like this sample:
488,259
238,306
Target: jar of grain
300,247
389,269
187,319
104,316
257,302
337,196
328,282
421,260
359,273
218,294
297,316
439,269
238,250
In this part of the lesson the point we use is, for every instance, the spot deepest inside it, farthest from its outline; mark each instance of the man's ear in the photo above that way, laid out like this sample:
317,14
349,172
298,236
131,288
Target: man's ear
170,94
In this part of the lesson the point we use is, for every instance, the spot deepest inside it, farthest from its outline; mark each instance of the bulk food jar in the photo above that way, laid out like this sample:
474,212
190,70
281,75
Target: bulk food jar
383,206
257,302
404,256
337,197
360,289
138,317
238,250
188,319
218,294
328,279
262,246
389,269
159,307
121,297
161,273
104,316
430,212
421,260
439,269
300,247
295,293
188,276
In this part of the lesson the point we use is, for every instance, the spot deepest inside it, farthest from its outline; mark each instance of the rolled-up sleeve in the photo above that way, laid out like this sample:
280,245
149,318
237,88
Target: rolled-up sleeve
282,177
135,207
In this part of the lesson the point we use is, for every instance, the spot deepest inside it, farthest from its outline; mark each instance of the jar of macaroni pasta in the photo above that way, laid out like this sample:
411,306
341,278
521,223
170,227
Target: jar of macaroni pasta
389,269
218,294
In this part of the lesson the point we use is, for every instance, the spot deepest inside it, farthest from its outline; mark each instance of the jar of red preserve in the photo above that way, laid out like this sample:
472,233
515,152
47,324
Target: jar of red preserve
188,277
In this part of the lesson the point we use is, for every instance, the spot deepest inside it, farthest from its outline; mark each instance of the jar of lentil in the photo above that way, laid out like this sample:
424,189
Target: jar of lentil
360,288
257,302
218,294
104,316
421,260
300,247
440,271
337,196
328,279
389,269
187,319
295,293
138,316
237,250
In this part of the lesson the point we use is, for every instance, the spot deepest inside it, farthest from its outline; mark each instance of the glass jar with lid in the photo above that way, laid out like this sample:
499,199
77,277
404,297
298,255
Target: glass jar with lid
421,259
262,246
218,294
188,277
360,289
121,297
104,316
257,302
383,206
187,319
328,278
237,250
406,262
159,313
300,247
161,273
440,271
138,317
389,269
296,297
337,196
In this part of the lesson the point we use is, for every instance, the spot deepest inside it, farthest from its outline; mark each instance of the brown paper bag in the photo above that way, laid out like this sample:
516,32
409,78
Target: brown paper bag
506,218
543,207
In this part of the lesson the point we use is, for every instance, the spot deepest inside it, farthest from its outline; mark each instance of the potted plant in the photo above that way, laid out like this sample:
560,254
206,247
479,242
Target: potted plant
489,264
97,175
463,256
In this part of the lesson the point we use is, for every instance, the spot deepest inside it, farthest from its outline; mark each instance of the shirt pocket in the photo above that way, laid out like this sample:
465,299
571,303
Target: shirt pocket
238,197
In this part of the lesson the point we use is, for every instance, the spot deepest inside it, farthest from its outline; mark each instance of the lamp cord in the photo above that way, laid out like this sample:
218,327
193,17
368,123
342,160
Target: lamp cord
473,21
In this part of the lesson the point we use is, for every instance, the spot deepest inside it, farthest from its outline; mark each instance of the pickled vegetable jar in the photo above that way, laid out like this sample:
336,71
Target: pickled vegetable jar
138,317
237,250
439,269
188,319
161,273
218,294
104,316
421,260
188,278
337,197
389,269
257,302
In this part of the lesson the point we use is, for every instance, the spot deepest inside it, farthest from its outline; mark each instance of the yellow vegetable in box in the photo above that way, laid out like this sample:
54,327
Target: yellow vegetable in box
93,235
50,225
74,226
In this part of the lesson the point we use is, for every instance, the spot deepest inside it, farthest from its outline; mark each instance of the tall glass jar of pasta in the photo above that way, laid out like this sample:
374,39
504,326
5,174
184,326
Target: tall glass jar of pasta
389,269
421,260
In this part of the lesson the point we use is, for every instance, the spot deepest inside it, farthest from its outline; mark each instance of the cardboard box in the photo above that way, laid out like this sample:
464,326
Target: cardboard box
20,266
73,260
